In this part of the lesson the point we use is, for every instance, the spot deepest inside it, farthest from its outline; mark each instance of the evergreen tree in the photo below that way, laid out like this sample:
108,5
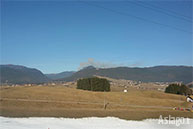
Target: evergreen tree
178,89
93,84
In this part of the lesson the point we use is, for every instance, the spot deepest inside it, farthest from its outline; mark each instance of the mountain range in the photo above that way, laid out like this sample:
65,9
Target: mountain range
148,74
16,74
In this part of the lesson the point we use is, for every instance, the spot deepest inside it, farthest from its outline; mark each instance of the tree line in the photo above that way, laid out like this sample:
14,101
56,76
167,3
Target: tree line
93,84
178,89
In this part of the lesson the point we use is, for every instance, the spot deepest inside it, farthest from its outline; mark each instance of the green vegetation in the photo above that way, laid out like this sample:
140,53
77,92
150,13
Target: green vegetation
178,89
93,84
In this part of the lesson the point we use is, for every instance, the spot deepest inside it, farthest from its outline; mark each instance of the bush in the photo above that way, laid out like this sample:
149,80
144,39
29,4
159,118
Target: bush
93,84
190,85
178,89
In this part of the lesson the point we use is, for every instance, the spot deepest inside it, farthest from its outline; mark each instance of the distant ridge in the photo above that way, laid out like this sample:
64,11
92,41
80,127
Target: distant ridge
17,74
147,74
55,76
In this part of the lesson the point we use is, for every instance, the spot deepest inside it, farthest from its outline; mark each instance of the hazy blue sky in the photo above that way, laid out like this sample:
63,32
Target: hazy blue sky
58,36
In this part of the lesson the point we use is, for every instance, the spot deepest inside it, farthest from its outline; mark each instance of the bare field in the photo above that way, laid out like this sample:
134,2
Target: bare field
60,101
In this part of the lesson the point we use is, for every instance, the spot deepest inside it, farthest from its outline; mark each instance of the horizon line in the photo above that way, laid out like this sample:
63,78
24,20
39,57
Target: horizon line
99,67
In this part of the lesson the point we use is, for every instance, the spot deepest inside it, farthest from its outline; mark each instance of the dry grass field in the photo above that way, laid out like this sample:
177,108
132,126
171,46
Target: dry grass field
60,101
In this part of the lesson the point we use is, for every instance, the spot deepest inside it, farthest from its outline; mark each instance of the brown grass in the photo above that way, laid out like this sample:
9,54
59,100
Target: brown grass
60,101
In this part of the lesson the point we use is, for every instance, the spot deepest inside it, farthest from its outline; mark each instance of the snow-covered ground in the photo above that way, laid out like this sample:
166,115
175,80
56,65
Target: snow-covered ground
86,123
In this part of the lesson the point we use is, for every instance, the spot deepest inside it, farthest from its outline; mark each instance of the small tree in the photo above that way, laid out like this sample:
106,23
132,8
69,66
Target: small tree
190,85
184,90
173,88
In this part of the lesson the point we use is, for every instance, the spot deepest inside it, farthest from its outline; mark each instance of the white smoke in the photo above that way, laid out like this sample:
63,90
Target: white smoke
96,64
99,64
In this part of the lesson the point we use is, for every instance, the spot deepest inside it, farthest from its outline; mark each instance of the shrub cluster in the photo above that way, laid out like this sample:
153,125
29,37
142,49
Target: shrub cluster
178,89
93,84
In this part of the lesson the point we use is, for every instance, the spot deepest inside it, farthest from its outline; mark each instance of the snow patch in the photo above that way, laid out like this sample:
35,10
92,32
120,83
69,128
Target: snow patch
84,123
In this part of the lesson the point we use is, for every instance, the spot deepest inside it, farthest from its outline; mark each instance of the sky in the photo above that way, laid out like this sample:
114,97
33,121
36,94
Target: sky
57,36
